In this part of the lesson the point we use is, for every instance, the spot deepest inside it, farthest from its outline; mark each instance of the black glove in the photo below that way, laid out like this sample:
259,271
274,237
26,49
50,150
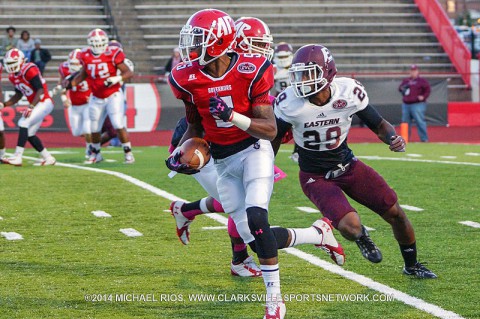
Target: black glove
173,163
220,109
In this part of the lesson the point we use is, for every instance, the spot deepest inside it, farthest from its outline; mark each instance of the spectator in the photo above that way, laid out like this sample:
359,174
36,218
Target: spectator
415,91
173,61
9,41
25,43
40,56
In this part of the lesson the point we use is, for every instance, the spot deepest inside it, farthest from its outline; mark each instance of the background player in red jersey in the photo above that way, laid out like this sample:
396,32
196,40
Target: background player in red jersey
28,82
100,64
226,95
2,127
76,101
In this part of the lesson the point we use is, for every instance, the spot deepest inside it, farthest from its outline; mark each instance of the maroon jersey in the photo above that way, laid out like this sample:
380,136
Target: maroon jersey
78,94
248,76
21,81
101,67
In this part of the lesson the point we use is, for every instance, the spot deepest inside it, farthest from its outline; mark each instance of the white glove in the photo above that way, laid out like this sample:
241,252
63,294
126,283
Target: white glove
66,101
112,80
57,89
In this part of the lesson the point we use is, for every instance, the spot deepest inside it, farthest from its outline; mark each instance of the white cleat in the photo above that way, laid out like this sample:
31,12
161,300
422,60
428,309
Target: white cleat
275,310
247,268
129,159
329,243
94,158
46,161
15,160
183,223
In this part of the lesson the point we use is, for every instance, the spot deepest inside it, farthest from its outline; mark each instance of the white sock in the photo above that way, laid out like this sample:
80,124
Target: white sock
97,146
203,205
87,146
2,152
271,278
19,151
304,236
128,144
45,153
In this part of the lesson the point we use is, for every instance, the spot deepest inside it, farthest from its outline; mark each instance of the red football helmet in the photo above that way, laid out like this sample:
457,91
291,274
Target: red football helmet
210,30
253,36
13,60
97,40
73,61
312,70
283,55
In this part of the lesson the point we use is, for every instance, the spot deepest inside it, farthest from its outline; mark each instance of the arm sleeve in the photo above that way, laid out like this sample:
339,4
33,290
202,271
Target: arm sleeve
36,83
263,81
370,116
192,113
282,127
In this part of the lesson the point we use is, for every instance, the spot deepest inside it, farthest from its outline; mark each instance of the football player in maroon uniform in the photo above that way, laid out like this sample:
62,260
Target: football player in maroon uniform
226,96
319,107
28,82
100,64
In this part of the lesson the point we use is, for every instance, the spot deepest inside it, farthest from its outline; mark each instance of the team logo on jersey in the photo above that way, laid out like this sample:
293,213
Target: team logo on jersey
192,77
339,104
246,67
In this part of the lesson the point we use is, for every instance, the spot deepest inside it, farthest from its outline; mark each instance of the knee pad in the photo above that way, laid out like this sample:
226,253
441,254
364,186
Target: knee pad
266,245
242,227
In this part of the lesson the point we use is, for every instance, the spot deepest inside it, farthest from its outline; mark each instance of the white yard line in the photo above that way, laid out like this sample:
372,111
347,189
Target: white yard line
402,159
214,228
412,208
130,232
101,213
362,280
470,223
308,210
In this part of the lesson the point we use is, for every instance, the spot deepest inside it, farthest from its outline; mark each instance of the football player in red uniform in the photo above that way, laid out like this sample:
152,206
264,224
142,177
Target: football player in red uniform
100,64
226,96
319,107
2,127
76,101
28,82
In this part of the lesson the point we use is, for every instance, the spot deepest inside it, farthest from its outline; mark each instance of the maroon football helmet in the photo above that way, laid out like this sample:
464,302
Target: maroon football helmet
283,55
312,70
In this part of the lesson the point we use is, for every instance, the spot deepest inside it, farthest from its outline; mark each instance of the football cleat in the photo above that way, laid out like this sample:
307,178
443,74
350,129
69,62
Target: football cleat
46,161
129,159
368,248
419,271
275,310
247,268
94,158
15,160
329,243
183,223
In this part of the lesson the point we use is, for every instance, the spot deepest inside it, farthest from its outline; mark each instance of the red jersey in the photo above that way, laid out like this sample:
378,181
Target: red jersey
247,77
78,94
21,81
101,67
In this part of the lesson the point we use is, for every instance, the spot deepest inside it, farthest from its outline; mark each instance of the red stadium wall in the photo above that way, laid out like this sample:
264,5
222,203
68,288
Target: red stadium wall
463,114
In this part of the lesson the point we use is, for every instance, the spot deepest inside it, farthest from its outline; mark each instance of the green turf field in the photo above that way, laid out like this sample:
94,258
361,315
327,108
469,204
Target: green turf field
67,253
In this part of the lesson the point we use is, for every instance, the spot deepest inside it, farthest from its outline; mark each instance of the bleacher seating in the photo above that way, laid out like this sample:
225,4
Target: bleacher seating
373,36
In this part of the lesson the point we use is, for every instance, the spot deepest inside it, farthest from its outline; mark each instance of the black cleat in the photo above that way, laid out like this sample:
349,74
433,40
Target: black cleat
368,248
419,271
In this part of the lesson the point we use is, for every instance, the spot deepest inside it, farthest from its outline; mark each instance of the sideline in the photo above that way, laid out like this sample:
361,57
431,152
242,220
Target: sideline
360,279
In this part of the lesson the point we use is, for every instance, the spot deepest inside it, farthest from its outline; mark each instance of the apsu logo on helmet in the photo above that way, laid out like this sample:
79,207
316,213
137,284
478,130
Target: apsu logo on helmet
241,27
224,26
246,67
339,104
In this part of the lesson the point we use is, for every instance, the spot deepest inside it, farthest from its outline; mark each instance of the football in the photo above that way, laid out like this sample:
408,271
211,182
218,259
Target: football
196,152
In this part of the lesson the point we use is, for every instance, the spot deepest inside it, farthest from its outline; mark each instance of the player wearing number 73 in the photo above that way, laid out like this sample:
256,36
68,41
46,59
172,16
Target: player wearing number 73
319,109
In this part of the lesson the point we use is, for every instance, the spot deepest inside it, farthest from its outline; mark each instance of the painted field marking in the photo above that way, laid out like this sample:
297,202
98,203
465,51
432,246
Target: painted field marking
369,228
448,157
101,213
11,235
130,232
214,227
166,211
404,159
109,160
470,223
472,154
412,208
414,155
1,218
362,280
308,210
